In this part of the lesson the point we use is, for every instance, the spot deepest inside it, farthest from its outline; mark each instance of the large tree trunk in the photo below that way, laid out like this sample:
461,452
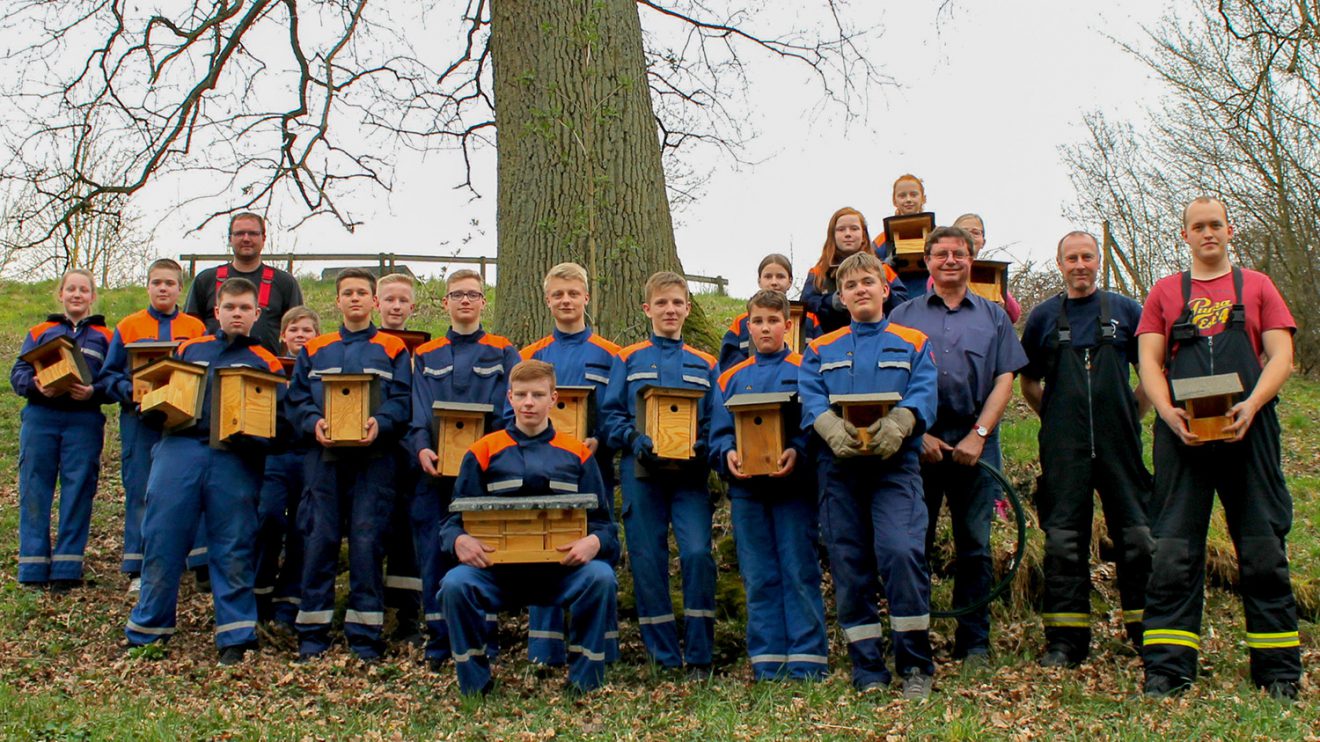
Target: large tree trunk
580,176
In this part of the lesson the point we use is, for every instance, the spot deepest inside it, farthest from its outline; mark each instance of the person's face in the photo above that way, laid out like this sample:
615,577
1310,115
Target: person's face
464,301
775,277
76,296
163,289
297,334
237,313
1079,262
396,305
949,262
976,229
567,300
864,294
847,235
908,197
531,401
767,327
246,238
355,300
1206,230
667,309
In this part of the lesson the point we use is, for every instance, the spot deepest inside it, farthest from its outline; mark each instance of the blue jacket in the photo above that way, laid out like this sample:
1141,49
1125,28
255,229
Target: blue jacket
580,359
821,300
470,368
90,335
116,379
760,374
221,351
870,358
362,352
657,362
737,342
510,463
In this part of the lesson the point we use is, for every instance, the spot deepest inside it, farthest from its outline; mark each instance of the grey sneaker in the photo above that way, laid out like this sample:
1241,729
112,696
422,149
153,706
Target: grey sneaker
135,586
917,685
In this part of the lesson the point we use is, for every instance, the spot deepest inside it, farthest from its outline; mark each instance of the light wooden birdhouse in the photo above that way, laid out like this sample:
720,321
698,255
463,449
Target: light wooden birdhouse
245,401
1208,400
796,337
907,234
525,530
144,352
574,411
58,364
172,387
864,409
411,338
350,400
989,279
669,416
457,426
758,427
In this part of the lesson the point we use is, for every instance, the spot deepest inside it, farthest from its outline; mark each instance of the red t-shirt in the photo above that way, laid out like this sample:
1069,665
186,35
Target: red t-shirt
1211,301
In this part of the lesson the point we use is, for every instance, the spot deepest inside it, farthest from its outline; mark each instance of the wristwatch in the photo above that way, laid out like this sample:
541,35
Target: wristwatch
982,431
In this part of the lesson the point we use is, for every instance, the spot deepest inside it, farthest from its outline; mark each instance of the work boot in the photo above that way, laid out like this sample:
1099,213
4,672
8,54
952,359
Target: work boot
234,655
917,685
1164,686
1056,657
1282,690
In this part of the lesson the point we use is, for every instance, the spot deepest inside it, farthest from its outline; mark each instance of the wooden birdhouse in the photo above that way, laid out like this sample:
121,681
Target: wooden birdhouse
907,234
1208,400
350,400
410,338
457,426
58,364
144,352
172,387
244,400
286,366
989,280
796,337
758,427
574,411
669,416
864,409
525,530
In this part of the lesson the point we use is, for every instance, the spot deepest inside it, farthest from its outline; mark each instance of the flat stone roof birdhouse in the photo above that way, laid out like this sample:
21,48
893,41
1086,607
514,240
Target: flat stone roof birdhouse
989,280
863,409
525,530
457,426
142,353
907,234
244,401
574,412
58,364
350,401
1208,400
758,428
174,388
411,338
669,416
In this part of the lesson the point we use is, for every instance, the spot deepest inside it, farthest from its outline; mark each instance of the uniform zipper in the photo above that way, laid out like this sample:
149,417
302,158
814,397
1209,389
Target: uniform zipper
1211,345
1090,405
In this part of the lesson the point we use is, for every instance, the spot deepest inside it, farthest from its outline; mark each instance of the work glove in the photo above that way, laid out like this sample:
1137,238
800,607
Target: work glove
838,434
644,451
889,432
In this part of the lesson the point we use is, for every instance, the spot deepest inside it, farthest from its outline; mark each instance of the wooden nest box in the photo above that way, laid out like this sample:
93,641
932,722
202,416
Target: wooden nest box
758,427
796,337
457,426
143,353
864,409
172,387
1208,400
669,416
989,280
907,234
574,411
58,364
411,338
350,400
525,530
244,400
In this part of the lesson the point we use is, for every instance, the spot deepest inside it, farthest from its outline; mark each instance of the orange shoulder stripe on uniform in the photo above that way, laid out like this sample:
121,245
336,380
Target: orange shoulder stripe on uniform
488,446
736,326
566,442
431,345
890,274
623,354
735,368
703,355
136,326
274,363
319,342
36,330
793,358
830,337
105,331
812,316
393,346
916,337
193,341
531,350
601,342
495,341
187,325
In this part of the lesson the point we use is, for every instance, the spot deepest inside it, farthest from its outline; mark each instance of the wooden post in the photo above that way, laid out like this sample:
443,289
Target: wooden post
482,265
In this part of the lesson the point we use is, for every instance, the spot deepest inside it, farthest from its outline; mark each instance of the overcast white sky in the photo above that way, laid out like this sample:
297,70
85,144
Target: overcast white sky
986,99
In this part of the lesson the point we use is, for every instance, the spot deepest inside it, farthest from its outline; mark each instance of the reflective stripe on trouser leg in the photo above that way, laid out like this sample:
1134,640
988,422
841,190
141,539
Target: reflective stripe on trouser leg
1064,502
80,467
546,643
230,496
898,511
426,513
136,442
590,593
39,439
197,556
755,538
646,512
365,490
691,511
467,594
403,584
804,608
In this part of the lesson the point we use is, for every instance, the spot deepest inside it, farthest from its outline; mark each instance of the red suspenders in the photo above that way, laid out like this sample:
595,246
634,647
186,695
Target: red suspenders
263,292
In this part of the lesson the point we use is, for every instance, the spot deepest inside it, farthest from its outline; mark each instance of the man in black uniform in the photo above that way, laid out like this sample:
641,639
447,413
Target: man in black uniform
1080,345
277,290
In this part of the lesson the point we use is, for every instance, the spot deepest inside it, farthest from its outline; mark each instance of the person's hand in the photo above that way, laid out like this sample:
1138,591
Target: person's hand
81,392
889,432
592,445
1243,413
1176,418
372,430
428,460
49,393
472,551
968,451
644,451
933,449
322,429
733,462
581,551
787,460
839,434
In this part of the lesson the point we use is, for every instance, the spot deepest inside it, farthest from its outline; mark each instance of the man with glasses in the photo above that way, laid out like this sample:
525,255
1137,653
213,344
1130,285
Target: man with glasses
977,354
277,290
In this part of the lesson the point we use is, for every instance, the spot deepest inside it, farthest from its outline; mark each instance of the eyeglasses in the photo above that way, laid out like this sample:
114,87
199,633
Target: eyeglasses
245,233
943,256
461,295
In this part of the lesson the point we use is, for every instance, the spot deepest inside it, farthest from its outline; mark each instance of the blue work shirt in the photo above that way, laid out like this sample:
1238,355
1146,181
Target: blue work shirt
973,343
761,374
580,359
472,369
366,351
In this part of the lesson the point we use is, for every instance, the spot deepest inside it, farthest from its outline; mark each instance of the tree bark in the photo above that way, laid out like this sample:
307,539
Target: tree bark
579,170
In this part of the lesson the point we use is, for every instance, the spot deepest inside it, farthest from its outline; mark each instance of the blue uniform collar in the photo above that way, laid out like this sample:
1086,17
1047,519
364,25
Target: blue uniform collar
365,333
236,341
660,342
159,316
544,437
472,337
869,329
89,320
570,337
763,358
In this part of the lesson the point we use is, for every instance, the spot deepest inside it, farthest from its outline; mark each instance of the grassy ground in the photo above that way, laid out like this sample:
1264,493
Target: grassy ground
63,676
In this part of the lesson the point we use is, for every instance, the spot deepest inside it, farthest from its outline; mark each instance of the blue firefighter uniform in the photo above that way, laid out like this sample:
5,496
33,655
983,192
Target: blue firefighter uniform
737,344
60,438
514,464
347,488
872,512
136,439
472,368
774,527
826,304
190,478
580,359
657,493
